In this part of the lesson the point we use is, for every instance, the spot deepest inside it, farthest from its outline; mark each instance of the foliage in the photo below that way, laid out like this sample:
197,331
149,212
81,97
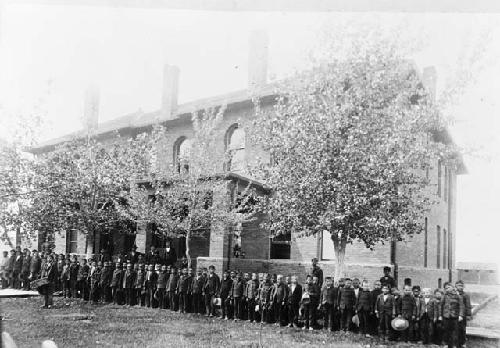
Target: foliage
350,143
195,195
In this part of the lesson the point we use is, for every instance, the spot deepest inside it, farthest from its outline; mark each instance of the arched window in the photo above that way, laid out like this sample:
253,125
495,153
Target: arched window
235,147
182,153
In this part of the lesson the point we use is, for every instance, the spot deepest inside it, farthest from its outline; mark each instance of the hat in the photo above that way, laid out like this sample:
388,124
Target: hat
399,324
355,320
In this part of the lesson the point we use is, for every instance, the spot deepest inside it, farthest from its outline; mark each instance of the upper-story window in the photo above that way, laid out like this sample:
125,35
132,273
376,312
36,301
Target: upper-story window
182,153
235,148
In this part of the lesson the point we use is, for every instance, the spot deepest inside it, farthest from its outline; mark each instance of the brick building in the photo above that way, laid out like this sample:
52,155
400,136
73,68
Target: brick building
428,258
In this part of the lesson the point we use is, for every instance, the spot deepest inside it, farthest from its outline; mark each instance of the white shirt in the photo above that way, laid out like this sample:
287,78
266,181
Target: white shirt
293,287
356,292
385,297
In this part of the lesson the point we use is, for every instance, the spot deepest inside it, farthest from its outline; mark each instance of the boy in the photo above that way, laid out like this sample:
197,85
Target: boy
25,269
452,313
105,283
328,300
426,316
128,284
237,296
83,274
73,277
35,265
197,287
225,294
415,333
251,294
64,278
150,285
183,289
293,303
95,277
437,325
265,299
310,300
406,308
377,290
347,303
468,313
161,287
385,311
387,279
139,286
279,299
116,282
172,282
211,289
364,305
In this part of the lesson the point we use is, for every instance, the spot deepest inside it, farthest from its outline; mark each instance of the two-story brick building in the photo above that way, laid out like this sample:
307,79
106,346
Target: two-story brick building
428,258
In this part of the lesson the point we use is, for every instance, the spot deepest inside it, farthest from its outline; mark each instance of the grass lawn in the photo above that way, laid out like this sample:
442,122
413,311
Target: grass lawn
83,325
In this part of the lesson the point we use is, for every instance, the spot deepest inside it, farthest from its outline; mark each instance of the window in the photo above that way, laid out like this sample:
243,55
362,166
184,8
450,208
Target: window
445,249
281,246
439,179
182,153
438,259
235,148
425,242
72,241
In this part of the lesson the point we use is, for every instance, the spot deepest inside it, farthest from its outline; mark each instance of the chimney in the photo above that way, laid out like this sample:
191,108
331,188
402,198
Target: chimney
91,108
257,58
429,79
170,91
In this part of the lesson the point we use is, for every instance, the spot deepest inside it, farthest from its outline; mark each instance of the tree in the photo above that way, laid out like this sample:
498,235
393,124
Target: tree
350,142
193,195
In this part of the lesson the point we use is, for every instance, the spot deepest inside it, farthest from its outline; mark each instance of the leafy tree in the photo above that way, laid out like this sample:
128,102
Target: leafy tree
350,142
193,197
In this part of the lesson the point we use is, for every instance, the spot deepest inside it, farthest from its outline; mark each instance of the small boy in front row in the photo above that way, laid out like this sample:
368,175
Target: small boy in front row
468,312
385,310
406,308
364,305
328,301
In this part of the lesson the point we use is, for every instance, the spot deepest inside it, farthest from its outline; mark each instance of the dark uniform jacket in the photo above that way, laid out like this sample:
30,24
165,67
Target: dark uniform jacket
83,272
50,272
467,303
295,296
162,280
18,264
95,278
329,295
184,284
172,282
225,287
389,281
265,292
237,288
212,285
35,264
387,307
106,277
251,289
364,301
452,306
128,279
139,279
26,264
151,280
280,293
116,279
347,298
431,308
73,271
406,306
318,272
197,284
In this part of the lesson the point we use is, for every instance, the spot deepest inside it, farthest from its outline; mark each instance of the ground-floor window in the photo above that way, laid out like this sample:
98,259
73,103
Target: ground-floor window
281,246
72,241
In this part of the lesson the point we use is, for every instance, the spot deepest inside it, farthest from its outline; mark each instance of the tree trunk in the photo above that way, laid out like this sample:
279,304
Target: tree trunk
339,243
188,250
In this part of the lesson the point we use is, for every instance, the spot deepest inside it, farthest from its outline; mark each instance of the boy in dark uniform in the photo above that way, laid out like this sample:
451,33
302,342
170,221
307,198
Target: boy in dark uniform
225,294
377,290
406,308
364,307
183,288
95,278
128,284
462,325
116,282
328,301
197,286
211,289
251,294
25,269
64,278
293,303
73,277
172,283
161,287
385,310
265,299
317,272
105,283
280,298
347,303
452,313
150,285
83,274
237,296
139,286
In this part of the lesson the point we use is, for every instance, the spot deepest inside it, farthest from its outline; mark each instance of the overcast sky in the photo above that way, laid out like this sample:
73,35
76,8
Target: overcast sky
50,54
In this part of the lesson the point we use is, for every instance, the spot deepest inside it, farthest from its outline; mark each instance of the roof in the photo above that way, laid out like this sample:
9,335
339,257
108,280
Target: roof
139,119
479,266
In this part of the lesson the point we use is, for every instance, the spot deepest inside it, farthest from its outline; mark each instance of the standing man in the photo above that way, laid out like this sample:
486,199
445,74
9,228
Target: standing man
25,269
462,325
452,314
211,289
317,272
35,265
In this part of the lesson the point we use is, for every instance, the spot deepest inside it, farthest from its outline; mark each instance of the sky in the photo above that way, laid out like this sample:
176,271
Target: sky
49,55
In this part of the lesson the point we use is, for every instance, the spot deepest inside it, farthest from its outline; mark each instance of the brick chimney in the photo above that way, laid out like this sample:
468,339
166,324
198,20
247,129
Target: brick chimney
429,79
258,53
170,91
91,108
